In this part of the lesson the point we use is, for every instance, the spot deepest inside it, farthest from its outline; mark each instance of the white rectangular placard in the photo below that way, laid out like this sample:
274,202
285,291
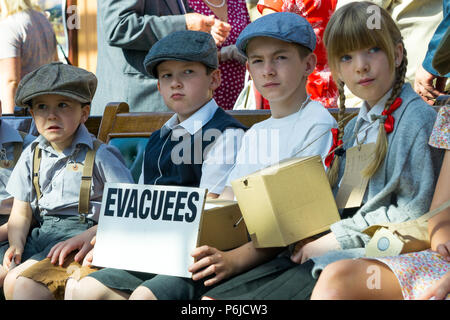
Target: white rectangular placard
148,228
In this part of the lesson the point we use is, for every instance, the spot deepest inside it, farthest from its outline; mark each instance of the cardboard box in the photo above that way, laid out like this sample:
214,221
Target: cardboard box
287,202
221,225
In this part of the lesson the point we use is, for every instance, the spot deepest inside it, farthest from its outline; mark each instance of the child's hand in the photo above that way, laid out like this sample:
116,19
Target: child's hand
12,252
315,248
210,261
439,290
444,250
90,255
81,242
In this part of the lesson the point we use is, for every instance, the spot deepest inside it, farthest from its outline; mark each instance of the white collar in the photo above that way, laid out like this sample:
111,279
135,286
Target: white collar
195,122
377,109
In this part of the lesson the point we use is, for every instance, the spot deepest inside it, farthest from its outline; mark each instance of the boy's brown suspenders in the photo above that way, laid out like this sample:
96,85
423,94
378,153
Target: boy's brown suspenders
86,181
86,178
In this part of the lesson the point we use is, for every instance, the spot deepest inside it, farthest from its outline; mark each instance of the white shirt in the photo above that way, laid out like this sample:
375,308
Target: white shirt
220,158
366,128
276,139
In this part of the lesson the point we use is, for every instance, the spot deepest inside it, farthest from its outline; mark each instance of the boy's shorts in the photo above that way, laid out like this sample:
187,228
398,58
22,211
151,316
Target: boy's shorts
278,279
123,280
176,288
52,230
54,276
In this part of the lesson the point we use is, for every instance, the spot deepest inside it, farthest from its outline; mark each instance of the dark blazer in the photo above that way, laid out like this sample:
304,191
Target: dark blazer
126,30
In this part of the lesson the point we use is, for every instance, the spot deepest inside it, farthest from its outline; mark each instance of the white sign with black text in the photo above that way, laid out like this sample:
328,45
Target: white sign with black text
148,228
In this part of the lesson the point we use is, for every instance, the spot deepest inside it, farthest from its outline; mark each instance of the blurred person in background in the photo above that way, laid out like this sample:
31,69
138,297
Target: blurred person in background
27,41
231,62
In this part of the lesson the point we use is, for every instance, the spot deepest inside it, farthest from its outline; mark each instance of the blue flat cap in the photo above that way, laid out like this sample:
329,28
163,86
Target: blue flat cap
285,26
184,45
56,78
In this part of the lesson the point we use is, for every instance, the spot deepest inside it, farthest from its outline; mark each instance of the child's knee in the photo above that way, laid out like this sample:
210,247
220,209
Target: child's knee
142,293
339,270
87,288
28,289
9,283
22,288
333,279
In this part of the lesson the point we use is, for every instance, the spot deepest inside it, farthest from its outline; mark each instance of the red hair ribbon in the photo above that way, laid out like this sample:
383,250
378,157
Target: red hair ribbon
389,122
336,143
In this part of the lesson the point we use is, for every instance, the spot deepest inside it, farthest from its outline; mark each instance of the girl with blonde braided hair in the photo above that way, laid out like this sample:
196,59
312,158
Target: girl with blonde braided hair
366,54
377,40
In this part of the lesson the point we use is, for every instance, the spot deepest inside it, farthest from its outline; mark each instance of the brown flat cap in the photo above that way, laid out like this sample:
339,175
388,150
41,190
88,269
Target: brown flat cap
57,78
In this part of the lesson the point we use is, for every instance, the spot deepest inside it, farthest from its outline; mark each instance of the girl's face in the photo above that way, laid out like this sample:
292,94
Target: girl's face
367,74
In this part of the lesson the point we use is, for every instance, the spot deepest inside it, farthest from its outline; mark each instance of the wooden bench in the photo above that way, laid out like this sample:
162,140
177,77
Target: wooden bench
117,121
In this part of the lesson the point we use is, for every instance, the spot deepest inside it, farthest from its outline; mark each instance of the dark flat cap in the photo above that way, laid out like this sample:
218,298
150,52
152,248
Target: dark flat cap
285,26
57,78
185,45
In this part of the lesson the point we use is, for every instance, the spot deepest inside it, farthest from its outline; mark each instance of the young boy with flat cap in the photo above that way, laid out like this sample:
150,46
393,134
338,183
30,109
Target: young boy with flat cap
60,176
196,147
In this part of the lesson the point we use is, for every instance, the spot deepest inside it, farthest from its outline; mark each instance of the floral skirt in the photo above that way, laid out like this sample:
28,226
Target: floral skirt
417,271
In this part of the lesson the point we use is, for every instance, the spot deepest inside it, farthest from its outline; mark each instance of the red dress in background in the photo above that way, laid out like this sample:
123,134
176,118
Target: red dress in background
232,72
318,12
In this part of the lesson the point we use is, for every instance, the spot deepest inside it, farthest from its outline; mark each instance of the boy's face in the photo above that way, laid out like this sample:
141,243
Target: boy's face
185,86
277,70
57,118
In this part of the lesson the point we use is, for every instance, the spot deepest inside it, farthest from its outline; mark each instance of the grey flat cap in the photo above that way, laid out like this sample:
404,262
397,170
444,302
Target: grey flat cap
185,45
57,78
285,26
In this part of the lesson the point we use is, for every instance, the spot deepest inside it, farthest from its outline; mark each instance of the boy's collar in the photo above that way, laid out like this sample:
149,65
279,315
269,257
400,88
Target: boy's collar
191,124
8,134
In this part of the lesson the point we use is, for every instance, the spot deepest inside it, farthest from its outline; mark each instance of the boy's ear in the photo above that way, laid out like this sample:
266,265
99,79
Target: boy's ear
159,87
310,61
215,79
85,111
